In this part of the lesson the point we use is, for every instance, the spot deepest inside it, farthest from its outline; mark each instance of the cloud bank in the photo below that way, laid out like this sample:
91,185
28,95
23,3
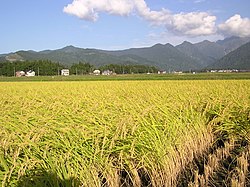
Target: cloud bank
236,26
190,24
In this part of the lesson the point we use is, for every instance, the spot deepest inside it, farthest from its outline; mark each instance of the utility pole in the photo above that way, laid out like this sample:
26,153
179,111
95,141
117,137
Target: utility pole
38,72
14,71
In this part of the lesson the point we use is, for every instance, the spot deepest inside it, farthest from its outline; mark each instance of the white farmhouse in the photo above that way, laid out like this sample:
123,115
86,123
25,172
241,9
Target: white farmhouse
65,72
97,72
30,73
107,72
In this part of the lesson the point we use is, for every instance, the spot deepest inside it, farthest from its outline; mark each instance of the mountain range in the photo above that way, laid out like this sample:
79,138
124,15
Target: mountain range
237,59
223,54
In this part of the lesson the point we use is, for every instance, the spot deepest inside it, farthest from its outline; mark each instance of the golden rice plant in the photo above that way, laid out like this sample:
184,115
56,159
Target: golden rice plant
114,133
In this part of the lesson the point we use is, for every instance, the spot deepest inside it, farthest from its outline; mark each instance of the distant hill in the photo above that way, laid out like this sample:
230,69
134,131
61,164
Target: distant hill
211,49
2,58
232,43
14,57
195,53
164,56
70,55
209,52
237,59
183,57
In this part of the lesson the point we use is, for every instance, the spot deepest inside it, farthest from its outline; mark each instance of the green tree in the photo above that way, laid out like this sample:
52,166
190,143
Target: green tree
81,68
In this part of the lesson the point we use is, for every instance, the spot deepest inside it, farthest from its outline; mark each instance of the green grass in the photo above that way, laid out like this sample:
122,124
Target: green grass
184,76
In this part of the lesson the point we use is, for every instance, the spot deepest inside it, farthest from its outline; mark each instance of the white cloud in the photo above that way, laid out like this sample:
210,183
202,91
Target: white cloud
189,24
194,23
199,1
236,26
88,9
161,17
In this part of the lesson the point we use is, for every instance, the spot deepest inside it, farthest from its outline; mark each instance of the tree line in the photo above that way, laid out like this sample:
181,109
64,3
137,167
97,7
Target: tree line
49,68
129,69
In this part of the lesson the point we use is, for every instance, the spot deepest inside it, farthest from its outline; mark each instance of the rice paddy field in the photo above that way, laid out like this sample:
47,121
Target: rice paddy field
125,133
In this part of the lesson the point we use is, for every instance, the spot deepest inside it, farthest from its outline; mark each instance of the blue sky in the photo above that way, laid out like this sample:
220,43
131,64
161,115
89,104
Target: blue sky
118,24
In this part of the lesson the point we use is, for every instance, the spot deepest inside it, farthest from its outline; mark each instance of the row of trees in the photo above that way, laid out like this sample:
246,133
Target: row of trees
129,69
48,68
81,68
41,67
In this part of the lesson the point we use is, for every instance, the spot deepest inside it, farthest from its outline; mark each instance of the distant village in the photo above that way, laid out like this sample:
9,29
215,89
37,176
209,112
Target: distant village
66,72
29,73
